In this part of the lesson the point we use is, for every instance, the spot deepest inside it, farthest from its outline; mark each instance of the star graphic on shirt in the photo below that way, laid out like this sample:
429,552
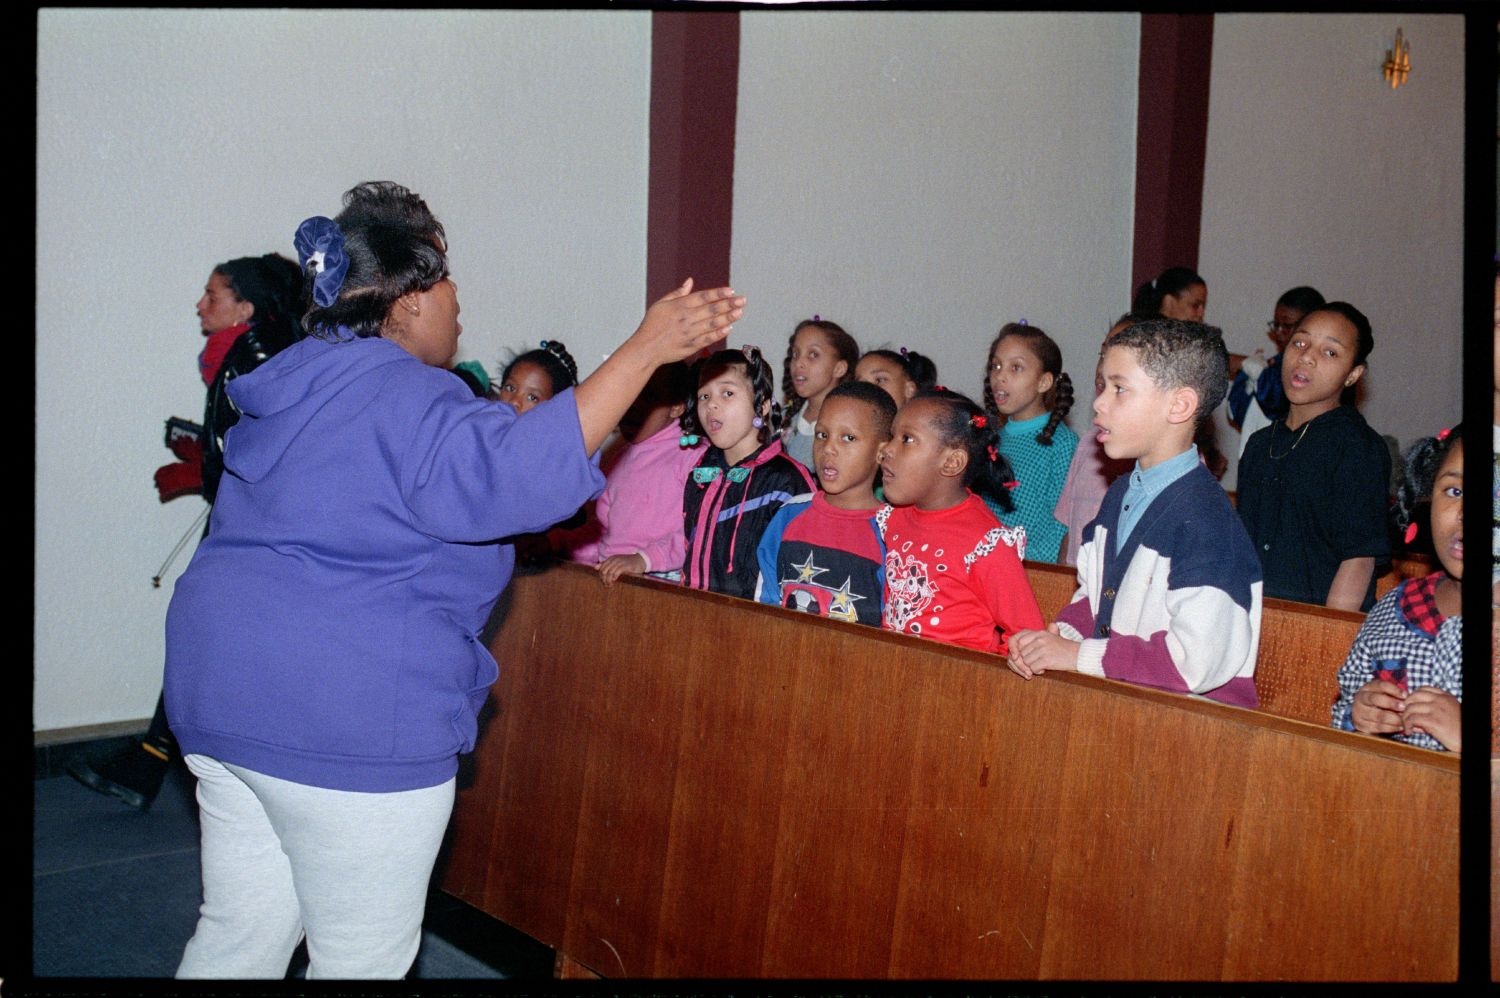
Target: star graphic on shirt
807,571
841,605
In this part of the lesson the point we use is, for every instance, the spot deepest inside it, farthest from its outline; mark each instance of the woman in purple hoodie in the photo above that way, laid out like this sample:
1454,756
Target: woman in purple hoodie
358,525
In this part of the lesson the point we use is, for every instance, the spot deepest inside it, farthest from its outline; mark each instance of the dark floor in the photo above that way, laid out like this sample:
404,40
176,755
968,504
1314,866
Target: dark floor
116,890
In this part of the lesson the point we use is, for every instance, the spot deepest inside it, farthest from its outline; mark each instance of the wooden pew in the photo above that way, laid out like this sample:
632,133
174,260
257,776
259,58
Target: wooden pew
682,784
1410,566
1301,646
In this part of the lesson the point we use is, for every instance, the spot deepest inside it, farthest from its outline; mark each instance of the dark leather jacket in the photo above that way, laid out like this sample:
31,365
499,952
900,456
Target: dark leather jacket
255,346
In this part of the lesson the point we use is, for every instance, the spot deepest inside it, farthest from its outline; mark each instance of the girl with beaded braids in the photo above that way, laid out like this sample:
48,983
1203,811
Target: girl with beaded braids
1028,395
535,376
744,477
952,571
1404,674
356,524
819,357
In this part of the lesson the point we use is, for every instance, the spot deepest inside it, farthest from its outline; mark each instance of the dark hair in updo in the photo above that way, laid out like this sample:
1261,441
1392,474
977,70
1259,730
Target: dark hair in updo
750,365
1057,400
961,423
272,285
921,370
1364,341
554,359
1172,281
395,247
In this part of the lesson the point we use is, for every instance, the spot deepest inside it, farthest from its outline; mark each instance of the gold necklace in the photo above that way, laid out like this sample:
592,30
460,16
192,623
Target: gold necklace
1269,444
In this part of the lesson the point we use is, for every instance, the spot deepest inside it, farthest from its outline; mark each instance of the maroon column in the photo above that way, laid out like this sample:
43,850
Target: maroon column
1171,138
695,60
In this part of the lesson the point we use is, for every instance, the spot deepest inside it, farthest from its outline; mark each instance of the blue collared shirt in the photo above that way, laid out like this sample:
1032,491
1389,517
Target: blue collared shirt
1145,485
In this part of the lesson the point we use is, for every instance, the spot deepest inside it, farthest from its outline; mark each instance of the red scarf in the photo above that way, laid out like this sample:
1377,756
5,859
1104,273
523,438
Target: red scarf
214,351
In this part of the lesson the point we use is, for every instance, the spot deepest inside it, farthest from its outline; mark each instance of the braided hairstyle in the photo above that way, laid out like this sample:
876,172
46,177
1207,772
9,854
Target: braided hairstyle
1058,399
751,365
961,423
843,346
1419,468
917,367
553,358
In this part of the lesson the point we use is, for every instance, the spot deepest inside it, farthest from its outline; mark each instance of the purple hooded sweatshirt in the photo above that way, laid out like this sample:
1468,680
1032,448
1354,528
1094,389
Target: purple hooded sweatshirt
327,629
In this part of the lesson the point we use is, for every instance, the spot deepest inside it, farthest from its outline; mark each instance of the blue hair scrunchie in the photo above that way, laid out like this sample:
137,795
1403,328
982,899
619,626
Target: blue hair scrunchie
320,241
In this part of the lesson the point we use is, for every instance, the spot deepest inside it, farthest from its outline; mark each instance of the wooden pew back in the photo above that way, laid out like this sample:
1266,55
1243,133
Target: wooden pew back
1301,646
681,784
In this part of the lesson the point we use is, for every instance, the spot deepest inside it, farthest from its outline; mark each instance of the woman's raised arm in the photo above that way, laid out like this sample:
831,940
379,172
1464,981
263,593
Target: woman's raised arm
674,328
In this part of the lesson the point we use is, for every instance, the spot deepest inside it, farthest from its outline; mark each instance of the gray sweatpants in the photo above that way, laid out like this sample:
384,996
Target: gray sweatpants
280,859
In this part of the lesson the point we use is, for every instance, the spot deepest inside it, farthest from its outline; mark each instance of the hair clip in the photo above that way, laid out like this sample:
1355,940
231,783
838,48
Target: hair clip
903,351
1022,322
994,455
543,344
1010,484
979,422
817,318
1411,532
688,440
1443,433
705,475
320,246
939,388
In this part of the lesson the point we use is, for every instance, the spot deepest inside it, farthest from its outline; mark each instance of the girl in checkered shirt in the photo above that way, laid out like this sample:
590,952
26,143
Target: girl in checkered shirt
1403,677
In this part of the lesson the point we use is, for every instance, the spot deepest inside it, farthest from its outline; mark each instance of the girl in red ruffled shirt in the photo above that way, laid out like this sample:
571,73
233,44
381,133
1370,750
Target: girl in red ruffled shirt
953,572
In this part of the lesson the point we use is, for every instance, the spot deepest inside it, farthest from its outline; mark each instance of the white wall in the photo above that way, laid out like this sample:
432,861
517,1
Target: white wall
924,178
168,141
1318,173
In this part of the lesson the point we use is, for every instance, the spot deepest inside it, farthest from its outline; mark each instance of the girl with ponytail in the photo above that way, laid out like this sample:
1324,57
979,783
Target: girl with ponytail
952,571
1027,394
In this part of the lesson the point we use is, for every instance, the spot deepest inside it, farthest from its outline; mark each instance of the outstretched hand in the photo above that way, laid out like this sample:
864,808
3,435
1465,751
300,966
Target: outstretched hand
677,326
684,321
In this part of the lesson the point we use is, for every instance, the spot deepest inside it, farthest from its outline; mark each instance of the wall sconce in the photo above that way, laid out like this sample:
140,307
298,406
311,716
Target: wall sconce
1397,62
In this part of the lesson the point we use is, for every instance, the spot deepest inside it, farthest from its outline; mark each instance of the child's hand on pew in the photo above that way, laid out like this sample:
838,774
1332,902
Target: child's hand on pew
1434,712
1377,708
611,568
1034,652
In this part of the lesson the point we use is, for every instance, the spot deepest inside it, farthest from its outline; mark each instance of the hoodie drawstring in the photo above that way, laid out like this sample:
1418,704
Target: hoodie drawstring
739,512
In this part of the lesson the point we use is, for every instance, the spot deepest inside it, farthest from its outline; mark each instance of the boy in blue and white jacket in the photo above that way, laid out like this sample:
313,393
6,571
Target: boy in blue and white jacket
1169,586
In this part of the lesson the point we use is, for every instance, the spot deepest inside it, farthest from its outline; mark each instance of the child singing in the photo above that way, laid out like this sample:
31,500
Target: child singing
952,572
824,555
1169,590
744,477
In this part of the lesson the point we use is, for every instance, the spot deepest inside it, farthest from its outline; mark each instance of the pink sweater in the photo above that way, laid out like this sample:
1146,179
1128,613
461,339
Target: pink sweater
640,510
1089,477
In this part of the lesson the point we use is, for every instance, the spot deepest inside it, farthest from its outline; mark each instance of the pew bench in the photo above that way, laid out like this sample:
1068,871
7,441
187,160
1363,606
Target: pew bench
681,784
